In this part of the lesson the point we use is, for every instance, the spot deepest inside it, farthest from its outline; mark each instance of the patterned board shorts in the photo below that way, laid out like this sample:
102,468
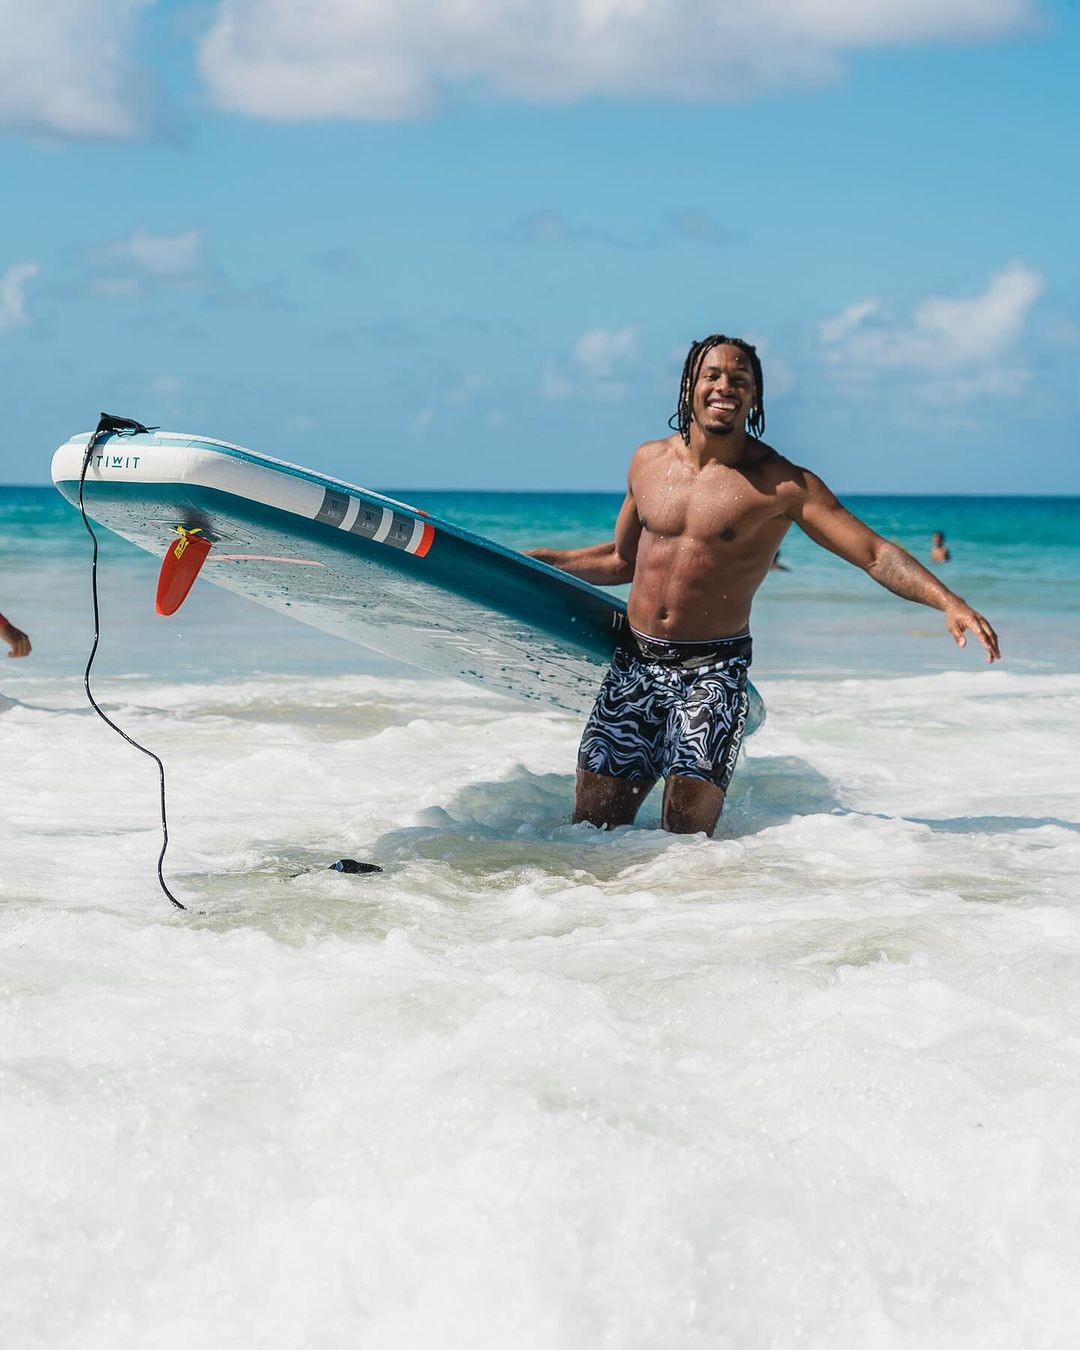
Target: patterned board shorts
670,708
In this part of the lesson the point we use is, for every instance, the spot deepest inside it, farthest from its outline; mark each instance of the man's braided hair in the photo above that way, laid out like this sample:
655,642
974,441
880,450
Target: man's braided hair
680,419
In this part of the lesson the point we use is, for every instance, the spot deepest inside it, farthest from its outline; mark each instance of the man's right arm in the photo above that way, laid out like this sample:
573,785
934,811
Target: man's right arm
608,564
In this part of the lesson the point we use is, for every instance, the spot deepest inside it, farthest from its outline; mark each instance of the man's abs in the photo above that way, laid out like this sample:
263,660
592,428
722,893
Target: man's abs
686,591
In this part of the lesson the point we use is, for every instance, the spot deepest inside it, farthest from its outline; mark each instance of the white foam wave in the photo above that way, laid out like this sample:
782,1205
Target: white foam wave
814,1082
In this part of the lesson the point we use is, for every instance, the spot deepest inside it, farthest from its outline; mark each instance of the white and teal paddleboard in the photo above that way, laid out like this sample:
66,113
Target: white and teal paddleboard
356,563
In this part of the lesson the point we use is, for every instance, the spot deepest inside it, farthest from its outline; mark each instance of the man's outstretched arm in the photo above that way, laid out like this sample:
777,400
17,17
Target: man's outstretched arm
828,523
607,564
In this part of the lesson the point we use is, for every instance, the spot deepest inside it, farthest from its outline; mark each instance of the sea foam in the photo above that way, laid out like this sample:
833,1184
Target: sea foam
813,1082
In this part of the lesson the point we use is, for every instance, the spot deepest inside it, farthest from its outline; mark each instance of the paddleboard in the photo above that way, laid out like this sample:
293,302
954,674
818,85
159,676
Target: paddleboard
351,561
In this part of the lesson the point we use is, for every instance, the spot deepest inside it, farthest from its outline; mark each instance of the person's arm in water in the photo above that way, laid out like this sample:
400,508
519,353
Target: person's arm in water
15,638
608,564
828,523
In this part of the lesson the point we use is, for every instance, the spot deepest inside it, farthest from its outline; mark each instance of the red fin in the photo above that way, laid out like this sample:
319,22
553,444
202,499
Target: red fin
180,568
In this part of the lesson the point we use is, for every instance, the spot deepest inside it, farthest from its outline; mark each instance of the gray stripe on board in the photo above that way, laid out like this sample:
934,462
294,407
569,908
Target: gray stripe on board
368,519
334,506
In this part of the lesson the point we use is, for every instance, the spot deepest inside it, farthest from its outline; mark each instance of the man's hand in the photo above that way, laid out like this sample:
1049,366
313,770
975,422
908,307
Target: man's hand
961,618
15,638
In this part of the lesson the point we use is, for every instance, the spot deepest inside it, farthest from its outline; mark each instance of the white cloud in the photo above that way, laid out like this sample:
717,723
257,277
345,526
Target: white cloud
67,69
943,334
840,325
554,385
462,392
693,223
421,421
12,294
71,69
160,257
164,385
547,228
964,388
594,368
598,352
116,288
382,59
143,264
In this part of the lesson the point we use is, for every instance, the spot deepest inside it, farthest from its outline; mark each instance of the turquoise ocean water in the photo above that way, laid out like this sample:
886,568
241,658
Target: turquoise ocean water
1017,559
814,1082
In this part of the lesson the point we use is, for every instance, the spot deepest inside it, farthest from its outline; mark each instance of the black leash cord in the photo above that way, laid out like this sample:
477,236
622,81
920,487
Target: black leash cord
104,430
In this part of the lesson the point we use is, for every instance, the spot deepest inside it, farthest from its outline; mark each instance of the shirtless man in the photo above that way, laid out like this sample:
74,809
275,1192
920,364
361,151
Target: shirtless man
706,510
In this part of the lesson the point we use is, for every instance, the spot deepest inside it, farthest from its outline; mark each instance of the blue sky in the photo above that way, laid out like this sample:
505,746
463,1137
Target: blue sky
415,244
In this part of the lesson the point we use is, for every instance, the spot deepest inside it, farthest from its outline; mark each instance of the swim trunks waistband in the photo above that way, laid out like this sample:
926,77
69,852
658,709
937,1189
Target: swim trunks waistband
688,655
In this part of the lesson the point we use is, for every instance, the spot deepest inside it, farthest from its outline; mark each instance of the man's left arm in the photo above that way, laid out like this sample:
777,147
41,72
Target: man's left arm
820,515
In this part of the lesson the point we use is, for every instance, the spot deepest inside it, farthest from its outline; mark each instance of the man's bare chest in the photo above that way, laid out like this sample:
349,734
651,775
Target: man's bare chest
709,510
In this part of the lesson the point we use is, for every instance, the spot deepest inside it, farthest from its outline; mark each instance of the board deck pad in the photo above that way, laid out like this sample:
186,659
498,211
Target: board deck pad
357,564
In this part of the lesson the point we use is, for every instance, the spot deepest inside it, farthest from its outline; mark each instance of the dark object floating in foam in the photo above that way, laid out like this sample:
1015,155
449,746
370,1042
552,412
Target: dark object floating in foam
351,865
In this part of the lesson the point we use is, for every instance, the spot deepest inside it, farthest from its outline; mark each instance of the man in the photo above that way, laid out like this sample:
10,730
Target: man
15,638
939,550
705,512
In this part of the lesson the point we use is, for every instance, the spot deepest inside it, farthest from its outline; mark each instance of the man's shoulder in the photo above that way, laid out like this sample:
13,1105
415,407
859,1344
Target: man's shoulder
650,453
664,445
792,485
780,472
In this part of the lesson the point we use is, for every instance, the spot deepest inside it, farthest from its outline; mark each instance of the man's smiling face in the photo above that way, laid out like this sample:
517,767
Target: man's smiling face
724,391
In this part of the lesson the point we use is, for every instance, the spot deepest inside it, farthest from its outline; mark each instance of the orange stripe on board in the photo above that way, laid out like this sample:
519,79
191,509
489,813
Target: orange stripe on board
426,540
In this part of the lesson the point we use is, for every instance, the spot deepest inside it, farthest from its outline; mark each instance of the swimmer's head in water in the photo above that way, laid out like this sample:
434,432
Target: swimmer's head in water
937,538
695,357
